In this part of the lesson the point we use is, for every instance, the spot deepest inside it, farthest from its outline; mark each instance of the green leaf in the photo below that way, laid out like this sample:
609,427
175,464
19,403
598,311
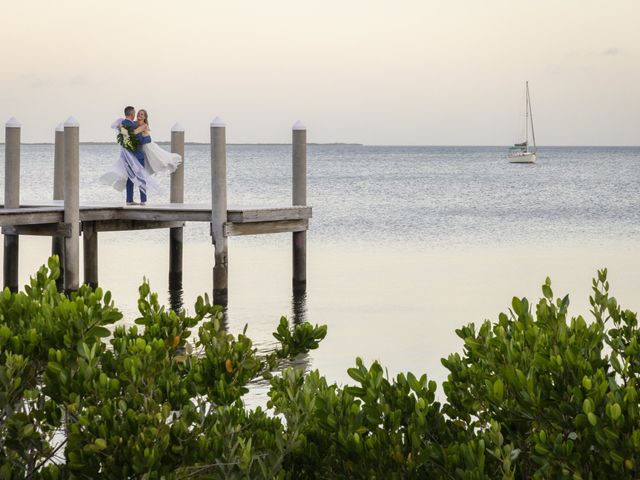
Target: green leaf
83,350
498,389
100,332
616,411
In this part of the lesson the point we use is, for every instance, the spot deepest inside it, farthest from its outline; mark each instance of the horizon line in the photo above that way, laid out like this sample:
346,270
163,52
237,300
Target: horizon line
348,144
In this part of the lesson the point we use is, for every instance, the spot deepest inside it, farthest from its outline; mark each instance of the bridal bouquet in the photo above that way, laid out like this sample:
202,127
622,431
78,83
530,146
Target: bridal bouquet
127,138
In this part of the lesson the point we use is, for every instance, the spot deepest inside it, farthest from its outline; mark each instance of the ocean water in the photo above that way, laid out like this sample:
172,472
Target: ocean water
406,244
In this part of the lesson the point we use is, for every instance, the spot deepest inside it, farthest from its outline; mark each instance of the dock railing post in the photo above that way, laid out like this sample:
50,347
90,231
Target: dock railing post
57,242
11,199
299,240
176,196
72,204
219,210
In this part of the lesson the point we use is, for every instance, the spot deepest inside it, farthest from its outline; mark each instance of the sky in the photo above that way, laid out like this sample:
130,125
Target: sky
403,72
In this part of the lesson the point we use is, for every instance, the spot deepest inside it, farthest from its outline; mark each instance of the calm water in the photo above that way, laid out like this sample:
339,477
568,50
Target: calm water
406,243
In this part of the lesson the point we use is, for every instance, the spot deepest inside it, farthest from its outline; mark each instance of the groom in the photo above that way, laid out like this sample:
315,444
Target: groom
129,115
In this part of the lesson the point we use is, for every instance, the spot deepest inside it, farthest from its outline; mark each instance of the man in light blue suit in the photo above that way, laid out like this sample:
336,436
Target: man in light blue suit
129,114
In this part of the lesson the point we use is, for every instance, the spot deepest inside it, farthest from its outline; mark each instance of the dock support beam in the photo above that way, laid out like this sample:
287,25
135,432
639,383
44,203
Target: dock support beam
299,149
11,200
57,243
176,196
72,204
219,210
90,250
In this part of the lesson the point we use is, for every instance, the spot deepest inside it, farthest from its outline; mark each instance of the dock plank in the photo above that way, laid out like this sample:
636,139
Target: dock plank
124,225
261,228
30,216
118,217
269,214
41,229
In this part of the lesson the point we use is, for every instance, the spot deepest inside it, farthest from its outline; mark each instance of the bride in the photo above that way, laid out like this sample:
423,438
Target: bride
156,160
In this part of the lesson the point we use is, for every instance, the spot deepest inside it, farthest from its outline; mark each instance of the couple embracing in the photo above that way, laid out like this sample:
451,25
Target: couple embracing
140,158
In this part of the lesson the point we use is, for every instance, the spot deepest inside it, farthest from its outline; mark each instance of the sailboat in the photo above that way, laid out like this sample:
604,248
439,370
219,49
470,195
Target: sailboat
523,152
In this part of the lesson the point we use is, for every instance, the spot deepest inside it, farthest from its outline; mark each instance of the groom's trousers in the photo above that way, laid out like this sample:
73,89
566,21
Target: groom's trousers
143,195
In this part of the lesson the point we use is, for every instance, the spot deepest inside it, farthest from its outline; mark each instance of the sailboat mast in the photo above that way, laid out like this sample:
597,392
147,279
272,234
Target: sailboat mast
533,133
526,114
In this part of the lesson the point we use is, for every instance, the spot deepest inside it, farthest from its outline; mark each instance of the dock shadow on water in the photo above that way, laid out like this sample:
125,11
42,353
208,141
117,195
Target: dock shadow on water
298,308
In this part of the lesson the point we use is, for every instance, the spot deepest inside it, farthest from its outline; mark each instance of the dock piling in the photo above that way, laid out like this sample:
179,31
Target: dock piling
72,204
219,210
57,243
299,174
11,200
90,252
176,196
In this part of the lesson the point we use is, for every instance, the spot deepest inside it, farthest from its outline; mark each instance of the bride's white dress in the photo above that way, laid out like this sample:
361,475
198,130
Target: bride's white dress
127,167
158,160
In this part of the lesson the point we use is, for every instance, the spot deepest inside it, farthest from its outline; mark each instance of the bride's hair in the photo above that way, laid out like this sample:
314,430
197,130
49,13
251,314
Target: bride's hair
146,116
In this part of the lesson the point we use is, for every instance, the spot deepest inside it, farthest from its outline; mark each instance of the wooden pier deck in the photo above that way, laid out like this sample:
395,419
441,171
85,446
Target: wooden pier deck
66,220
38,218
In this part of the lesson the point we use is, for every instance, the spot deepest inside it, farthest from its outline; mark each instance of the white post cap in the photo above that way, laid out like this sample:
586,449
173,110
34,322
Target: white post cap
60,127
71,122
299,126
12,123
218,122
177,128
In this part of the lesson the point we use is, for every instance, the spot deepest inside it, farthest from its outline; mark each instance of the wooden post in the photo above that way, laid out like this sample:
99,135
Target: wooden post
11,200
219,210
177,196
57,243
90,250
72,204
299,240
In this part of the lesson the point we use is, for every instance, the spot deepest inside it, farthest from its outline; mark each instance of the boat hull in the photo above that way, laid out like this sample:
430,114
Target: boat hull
528,157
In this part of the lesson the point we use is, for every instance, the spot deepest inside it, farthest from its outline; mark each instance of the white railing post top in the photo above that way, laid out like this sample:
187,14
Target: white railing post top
177,127
218,122
12,123
60,127
299,126
71,122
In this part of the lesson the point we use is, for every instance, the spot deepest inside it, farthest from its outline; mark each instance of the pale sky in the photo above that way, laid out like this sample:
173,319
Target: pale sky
404,72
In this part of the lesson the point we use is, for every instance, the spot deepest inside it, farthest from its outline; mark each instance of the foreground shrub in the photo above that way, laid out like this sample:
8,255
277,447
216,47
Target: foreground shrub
535,395
563,391
147,403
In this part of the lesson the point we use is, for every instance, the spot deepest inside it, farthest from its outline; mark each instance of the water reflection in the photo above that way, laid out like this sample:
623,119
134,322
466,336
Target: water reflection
299,316
176,294
298,308
176,299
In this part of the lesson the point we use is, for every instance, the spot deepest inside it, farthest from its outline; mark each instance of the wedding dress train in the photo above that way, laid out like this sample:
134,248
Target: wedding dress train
158,160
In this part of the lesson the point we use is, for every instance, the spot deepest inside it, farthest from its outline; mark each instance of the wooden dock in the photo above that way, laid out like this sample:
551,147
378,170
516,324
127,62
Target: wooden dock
64,219
48,218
